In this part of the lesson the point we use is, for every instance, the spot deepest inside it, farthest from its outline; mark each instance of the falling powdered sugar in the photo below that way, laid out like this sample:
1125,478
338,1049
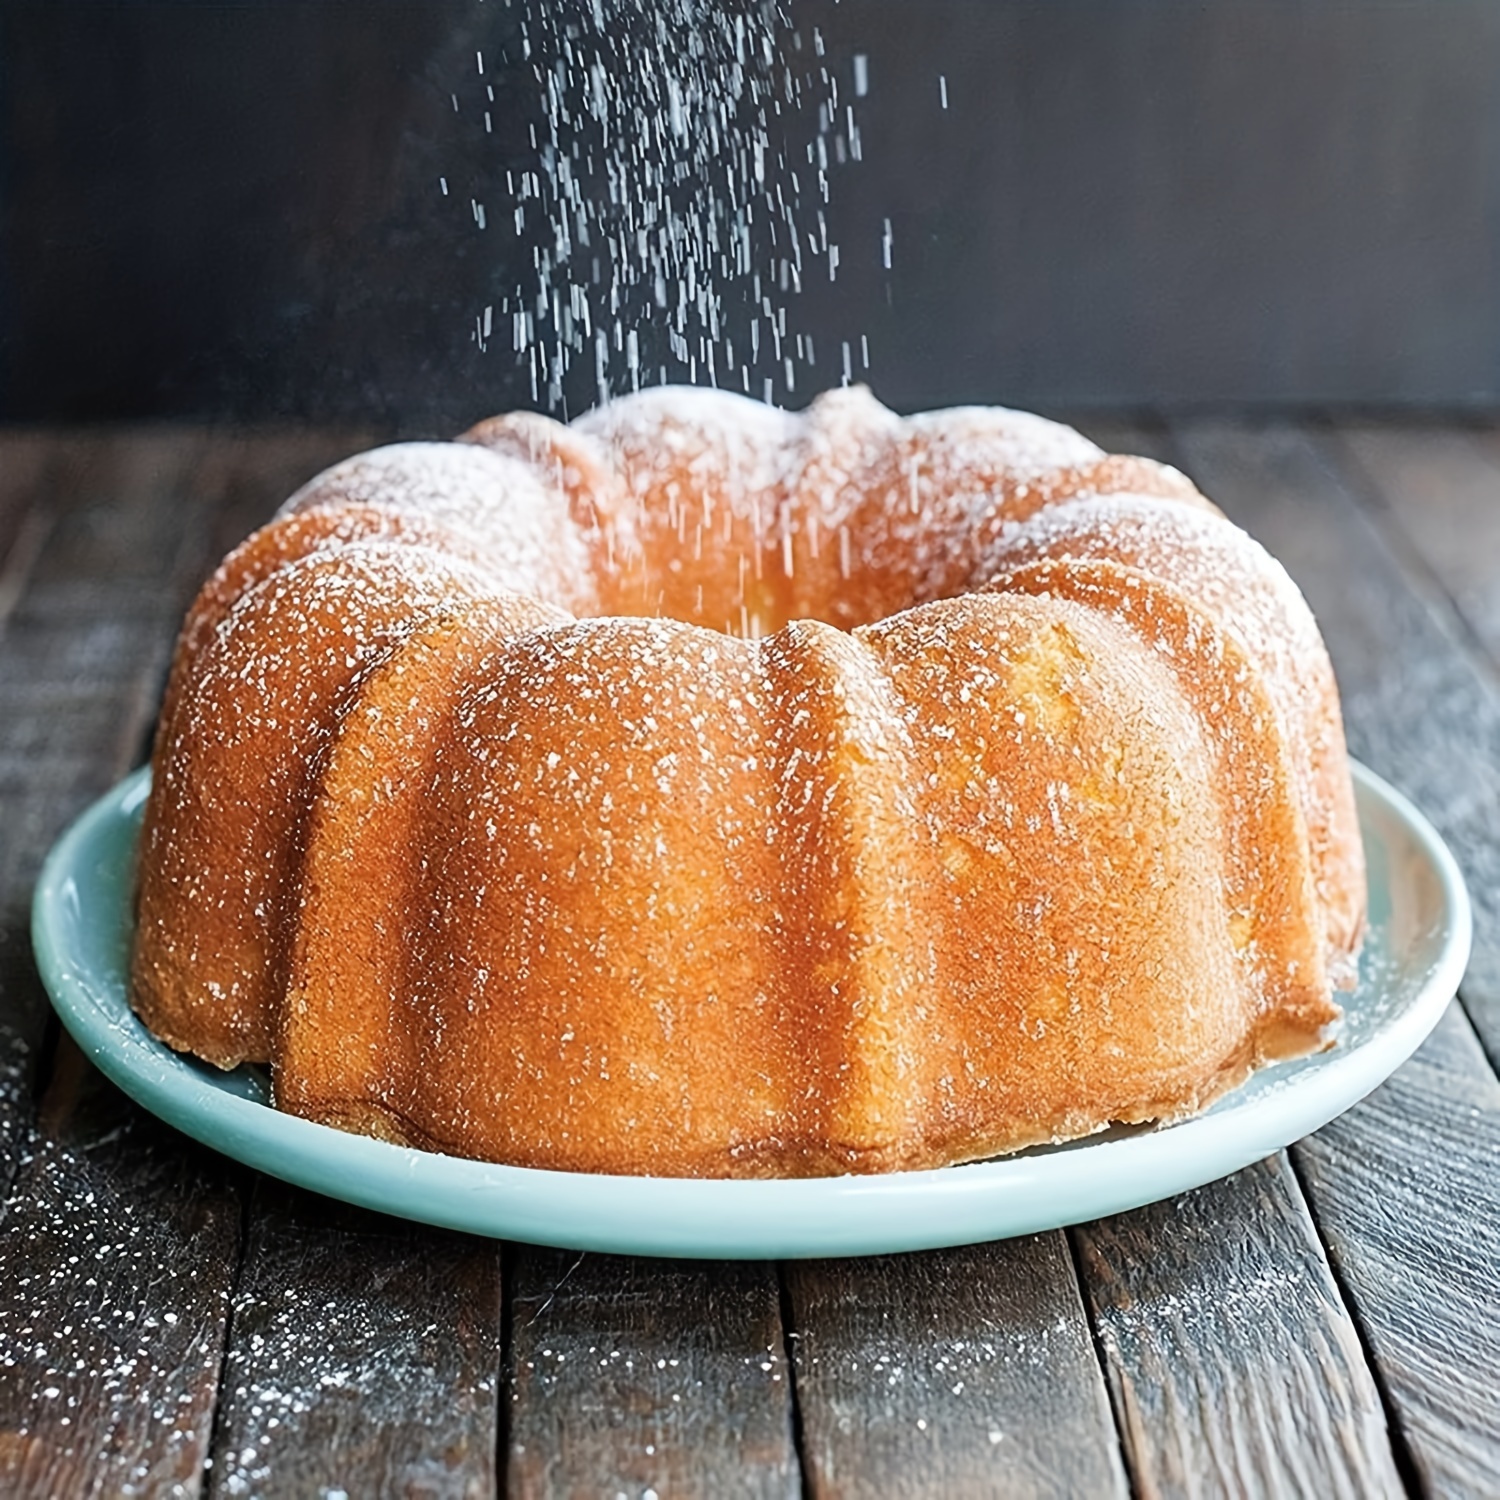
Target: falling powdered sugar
674,201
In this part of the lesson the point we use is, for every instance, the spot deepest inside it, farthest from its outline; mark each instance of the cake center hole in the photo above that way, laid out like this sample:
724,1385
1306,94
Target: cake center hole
740,581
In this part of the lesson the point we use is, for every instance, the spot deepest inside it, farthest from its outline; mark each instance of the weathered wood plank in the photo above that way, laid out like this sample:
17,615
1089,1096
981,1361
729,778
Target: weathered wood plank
117,530
646,1377
128,518
251,471
1407,1191
25,453
1440,486
1393,1179
1418,708
80,654
363,1357
639,1416
1123,434
1233,1364
26,456
117,1252
967,1372
20,557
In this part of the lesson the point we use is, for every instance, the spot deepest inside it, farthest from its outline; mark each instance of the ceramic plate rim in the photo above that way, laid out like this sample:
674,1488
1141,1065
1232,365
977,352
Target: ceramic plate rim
705,1217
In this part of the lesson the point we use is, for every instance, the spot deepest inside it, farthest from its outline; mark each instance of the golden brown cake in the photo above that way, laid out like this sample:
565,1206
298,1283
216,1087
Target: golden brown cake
701,789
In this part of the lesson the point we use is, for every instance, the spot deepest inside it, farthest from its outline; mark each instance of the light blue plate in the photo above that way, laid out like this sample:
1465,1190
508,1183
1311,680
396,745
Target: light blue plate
1413,959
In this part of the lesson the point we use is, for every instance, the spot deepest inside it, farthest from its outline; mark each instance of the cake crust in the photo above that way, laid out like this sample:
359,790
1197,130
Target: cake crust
707,790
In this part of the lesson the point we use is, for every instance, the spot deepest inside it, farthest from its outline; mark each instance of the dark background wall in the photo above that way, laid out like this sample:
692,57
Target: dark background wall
230,209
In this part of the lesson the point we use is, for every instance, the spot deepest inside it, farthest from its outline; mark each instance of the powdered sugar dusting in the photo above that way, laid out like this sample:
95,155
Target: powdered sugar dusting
673,203
496,507
900,896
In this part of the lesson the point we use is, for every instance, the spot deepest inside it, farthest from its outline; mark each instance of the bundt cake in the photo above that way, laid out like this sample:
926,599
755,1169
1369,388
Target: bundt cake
706,790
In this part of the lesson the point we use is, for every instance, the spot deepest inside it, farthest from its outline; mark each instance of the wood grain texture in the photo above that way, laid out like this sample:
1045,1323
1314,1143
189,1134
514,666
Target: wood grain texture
1440,487
115,531
26,455
251,470
1412,1238
1121,434
1407,1189
966,1372
364,1353
363,1357
119,1240
90,621
1417,706
117,1254
647,1378
1234,1366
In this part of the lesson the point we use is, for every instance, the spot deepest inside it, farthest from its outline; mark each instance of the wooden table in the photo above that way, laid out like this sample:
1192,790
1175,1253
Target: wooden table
1324,1323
